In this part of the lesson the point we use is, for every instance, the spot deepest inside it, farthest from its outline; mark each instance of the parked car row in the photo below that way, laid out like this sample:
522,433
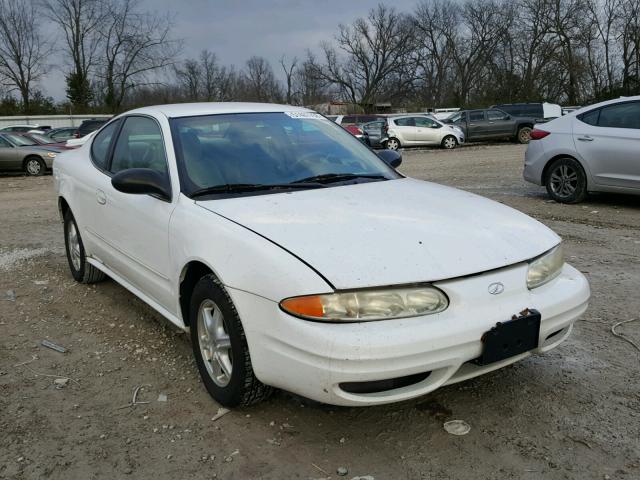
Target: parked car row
32,148
449,129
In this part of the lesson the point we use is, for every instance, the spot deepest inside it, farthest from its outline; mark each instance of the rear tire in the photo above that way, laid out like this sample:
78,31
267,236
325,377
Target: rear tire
393,144
81,270
34,166
566,181
524,135
449,142
220,347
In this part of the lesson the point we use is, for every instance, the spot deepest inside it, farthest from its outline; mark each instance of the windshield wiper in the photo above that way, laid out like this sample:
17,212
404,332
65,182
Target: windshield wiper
251,187
339,177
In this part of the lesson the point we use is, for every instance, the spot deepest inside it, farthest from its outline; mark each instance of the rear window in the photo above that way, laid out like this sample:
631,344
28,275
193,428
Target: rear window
404,122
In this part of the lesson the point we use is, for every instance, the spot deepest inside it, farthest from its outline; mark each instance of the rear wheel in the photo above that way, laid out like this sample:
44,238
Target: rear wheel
81,270
393,144
220,347
524,135
449,142
34,166
566,181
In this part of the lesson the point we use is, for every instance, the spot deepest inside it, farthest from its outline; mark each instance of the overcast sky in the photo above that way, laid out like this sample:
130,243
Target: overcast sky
236,30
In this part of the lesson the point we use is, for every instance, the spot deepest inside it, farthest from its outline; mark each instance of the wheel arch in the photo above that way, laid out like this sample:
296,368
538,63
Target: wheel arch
63,207
190,274
545,170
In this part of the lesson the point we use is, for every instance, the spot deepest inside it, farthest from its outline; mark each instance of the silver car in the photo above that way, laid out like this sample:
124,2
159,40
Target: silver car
418,130
19,153
594,149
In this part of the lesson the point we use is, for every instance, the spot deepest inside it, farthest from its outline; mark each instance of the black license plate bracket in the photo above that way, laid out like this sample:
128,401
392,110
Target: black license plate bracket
507,339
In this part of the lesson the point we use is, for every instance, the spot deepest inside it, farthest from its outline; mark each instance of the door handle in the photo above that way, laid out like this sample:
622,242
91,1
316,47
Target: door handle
586,138
101,198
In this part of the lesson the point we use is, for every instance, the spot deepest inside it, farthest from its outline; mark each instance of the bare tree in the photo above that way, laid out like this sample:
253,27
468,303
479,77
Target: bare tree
289,72
189,77
80,22
259,82
135,46
435,24
370,54
23,49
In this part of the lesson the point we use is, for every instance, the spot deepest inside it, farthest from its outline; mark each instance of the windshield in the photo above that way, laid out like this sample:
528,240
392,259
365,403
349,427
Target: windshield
269,149
42,139
20,140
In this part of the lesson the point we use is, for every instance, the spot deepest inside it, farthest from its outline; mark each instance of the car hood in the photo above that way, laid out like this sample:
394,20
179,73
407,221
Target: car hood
391,232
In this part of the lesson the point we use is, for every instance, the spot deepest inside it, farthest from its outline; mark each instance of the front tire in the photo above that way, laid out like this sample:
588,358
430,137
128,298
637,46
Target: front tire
220,347
449,142
81,270
34,166
566,181
524,135
393,144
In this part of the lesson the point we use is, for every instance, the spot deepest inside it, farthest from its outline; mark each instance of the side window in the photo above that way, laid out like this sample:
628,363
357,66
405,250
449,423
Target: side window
495,115
590,118
139,145
4,143
622,115
404,122
477,116
101,144
424,122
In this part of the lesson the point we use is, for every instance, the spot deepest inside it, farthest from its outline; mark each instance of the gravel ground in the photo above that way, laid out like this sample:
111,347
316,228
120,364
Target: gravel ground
571,414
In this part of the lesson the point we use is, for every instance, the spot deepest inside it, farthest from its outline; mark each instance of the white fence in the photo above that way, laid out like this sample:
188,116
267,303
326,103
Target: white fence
52,120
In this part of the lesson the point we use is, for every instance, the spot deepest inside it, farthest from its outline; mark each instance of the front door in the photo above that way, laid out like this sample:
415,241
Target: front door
608,139
135,228
427,131
477,125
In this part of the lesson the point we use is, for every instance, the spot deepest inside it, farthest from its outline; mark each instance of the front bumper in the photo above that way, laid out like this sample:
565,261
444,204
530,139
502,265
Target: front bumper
312,359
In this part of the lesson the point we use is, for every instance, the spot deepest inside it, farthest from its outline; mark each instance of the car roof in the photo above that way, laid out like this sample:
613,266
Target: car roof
214,108
602,104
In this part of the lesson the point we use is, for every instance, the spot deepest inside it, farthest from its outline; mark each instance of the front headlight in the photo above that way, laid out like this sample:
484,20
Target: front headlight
367,305
545,268
51,155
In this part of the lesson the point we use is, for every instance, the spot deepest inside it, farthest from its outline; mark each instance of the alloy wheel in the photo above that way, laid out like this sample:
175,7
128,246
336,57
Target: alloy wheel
34,167
563,181
392,144
215,344
449,142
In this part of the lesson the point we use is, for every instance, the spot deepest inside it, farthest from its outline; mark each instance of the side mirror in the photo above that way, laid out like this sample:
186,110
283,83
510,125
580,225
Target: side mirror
391,157
142,181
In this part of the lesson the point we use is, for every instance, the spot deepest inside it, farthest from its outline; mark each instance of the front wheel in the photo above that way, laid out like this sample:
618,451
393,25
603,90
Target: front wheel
393,144
34,166
449,142
220,347
566,181
524,135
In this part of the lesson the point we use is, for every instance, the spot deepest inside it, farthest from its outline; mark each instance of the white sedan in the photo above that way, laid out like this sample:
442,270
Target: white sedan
299,259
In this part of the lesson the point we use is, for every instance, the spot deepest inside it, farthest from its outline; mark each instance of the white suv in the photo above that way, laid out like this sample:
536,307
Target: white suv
594,149
419,130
